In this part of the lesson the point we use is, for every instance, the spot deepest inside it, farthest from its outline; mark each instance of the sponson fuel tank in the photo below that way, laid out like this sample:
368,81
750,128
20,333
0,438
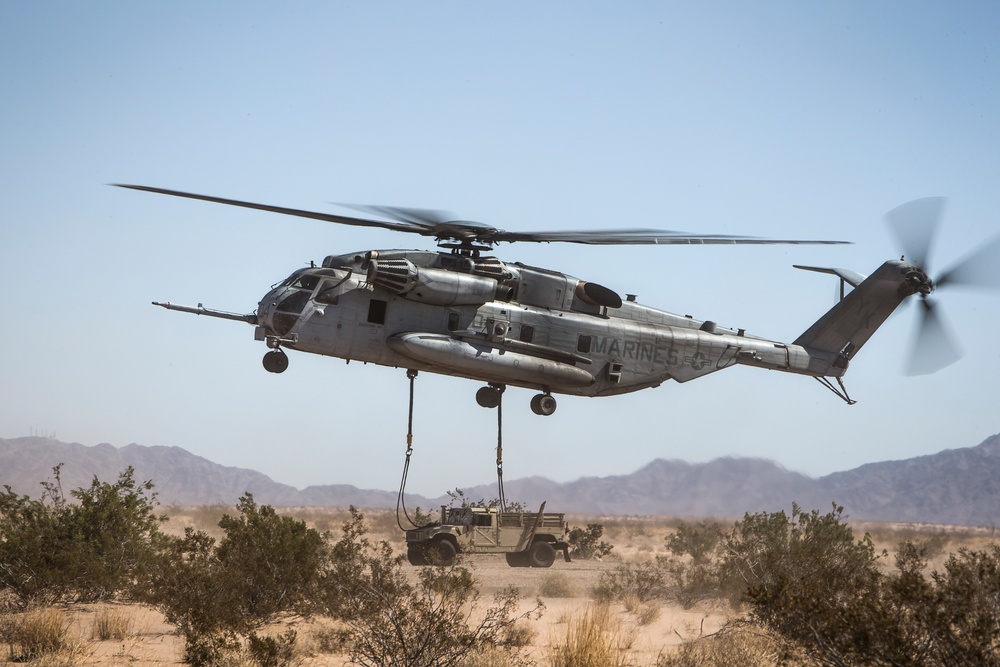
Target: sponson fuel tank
485,361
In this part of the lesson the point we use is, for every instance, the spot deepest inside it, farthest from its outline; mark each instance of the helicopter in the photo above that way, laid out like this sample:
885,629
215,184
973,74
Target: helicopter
459,312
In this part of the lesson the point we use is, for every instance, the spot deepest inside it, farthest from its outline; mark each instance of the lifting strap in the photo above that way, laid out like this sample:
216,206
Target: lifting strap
400,501
501,497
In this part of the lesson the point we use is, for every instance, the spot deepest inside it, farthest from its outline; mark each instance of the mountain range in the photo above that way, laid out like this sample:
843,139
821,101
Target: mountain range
955,486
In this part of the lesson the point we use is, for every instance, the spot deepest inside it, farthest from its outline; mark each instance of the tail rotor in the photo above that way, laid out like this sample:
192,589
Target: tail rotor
915,225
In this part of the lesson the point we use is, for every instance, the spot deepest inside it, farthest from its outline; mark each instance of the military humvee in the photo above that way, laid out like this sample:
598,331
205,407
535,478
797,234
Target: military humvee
527,539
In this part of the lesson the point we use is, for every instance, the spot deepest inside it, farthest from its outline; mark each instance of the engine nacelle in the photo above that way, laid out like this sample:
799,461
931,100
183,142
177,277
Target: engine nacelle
437,287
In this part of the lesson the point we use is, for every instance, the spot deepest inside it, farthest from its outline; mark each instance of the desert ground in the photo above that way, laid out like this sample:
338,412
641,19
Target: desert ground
644,631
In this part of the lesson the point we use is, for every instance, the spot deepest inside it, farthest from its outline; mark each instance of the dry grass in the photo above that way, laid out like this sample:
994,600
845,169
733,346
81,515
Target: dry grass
736,645
112,623
594,639
35,633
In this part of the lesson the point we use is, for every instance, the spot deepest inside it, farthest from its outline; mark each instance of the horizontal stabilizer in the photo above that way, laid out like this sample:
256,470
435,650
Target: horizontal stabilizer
852,278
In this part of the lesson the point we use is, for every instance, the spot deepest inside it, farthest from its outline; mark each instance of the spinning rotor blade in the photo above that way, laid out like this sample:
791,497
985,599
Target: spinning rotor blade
914,224
398,225
980,269
429,222
645,237
933,348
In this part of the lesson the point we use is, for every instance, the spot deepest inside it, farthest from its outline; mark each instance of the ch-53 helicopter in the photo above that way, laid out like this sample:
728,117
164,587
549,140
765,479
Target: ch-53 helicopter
459,312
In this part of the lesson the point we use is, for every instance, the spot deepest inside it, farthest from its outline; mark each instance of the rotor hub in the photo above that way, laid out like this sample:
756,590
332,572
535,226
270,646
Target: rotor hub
918,280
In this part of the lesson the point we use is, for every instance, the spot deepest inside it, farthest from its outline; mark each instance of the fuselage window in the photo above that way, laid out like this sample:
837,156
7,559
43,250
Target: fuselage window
583,344
454,321
527,333
376,311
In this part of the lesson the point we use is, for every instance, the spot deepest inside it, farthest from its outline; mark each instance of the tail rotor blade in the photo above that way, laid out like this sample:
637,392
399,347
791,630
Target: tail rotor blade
914,224
979,269
933,347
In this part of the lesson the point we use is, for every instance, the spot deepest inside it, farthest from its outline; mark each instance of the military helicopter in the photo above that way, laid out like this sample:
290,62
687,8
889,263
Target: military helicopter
460,312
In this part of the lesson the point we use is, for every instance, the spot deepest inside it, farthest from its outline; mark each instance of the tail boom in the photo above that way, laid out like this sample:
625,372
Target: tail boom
846,327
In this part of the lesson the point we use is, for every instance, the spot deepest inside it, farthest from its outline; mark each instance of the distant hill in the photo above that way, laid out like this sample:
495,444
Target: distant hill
180,477
956,486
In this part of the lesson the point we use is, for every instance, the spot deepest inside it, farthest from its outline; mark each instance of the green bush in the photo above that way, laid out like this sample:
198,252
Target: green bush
587,543
642,581
809,581
698,540
266,565
96,545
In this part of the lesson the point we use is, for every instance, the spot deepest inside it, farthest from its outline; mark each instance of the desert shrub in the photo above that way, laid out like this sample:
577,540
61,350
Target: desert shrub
690,583
810,582
518,634
961,623
272,650
265,566
594,639
94,545
433,622
698,540
643,581
331,638
556,585
587,543
807,579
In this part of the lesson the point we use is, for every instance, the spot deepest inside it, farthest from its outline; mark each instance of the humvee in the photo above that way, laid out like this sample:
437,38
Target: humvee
527,539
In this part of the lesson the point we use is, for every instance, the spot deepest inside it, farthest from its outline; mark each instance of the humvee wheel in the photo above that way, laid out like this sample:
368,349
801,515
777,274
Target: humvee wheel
443,552
516,558
416,556
541,554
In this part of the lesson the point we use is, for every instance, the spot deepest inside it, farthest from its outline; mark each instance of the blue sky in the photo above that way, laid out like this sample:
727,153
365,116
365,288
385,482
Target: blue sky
781,119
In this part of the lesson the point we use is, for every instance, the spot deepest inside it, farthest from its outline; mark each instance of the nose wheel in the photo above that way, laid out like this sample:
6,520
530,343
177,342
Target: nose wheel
275,361
543,404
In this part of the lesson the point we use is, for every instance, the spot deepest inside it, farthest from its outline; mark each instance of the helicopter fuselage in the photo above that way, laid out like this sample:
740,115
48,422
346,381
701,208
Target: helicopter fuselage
505,324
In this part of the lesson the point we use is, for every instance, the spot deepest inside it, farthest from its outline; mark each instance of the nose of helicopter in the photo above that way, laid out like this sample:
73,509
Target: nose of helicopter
280,309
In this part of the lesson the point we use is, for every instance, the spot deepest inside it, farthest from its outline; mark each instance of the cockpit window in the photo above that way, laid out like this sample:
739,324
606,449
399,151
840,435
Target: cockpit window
308,282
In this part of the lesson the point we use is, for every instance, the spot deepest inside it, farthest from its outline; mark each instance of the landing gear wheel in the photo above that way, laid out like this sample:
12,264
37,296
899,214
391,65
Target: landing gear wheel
541,554
488,397
275,361
543,404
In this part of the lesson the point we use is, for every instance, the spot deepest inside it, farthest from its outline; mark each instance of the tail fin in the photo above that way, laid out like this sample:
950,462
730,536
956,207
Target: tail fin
848,325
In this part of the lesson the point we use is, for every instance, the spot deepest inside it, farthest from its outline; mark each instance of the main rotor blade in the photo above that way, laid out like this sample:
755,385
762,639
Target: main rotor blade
428,222
981,268
424,217
914,224
933,347
644,237
397,225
